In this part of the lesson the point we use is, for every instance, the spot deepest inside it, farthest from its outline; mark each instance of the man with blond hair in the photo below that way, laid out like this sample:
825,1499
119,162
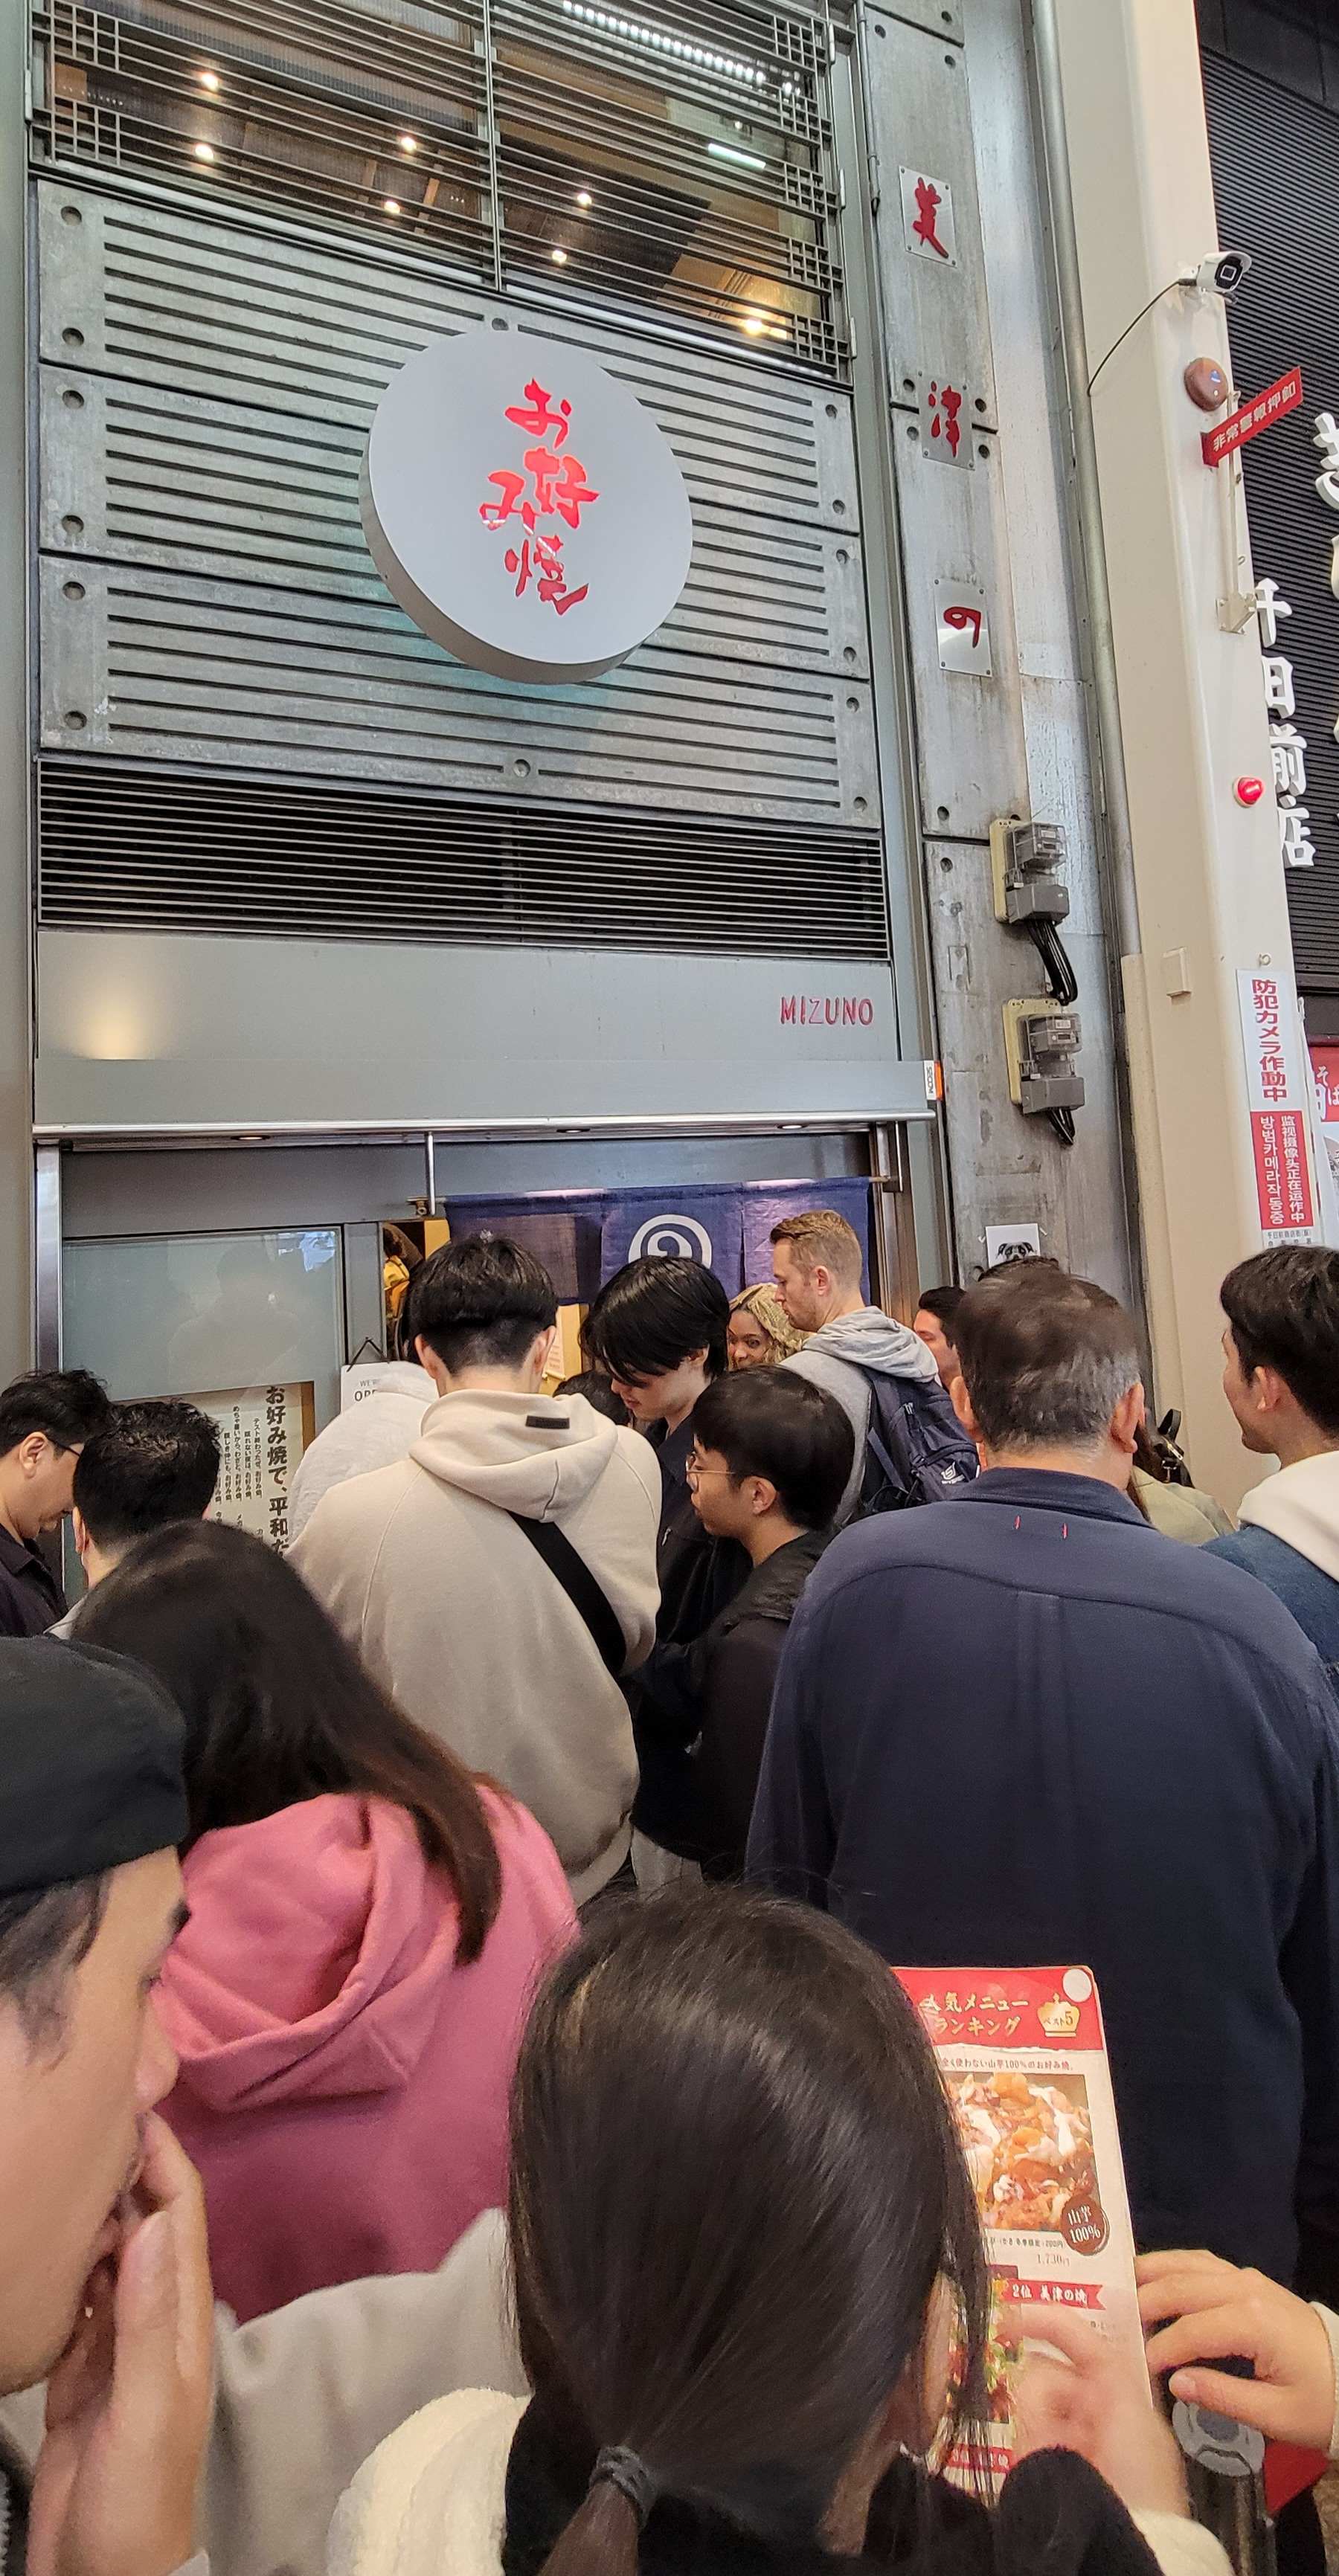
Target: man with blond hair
817,1265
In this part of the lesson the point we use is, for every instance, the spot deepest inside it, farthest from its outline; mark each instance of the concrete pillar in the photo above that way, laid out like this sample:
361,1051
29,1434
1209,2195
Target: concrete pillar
16,1161
1208,871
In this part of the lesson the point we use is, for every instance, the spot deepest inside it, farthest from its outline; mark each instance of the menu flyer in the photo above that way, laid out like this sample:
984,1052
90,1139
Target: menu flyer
1024,2060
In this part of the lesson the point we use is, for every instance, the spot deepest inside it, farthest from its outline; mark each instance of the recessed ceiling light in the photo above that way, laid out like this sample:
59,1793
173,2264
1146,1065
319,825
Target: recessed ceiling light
559,258
208,80
390,205
204,151
742,160
584,197
408,142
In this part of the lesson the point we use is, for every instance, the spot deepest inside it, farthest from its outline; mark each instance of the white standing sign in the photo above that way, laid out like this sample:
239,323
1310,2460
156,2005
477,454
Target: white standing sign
523,507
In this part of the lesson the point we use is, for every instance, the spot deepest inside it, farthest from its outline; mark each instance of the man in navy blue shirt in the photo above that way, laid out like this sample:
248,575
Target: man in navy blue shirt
1024,1729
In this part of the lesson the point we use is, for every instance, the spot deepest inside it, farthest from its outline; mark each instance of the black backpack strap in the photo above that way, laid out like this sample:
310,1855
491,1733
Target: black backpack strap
590,1603
894,1470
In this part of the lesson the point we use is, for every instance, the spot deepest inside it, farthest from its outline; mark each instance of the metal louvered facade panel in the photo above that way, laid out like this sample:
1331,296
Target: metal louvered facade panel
207,598
194,483
138,847
165,298
237,673
680,159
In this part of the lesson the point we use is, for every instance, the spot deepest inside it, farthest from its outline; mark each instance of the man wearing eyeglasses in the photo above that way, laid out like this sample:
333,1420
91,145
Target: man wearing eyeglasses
45,1418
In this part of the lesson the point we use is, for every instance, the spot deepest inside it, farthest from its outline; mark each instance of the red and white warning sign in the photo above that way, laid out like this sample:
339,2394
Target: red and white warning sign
1282,396
1279,1105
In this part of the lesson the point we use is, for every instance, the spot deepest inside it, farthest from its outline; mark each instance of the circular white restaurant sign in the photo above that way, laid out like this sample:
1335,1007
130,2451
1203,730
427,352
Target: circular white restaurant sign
523,507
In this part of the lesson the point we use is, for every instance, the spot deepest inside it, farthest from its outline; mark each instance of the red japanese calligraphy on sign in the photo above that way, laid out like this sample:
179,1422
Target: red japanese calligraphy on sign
1282,396
1279,1108
552,484
508,481
928,203
945,403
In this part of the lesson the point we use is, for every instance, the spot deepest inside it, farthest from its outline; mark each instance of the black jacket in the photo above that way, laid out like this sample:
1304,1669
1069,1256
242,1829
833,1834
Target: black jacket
1055,2515
711,1701
698,1576
30,1597
1023,1729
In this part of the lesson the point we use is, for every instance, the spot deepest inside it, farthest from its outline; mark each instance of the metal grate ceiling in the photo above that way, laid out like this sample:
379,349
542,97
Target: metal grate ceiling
681,157
147,848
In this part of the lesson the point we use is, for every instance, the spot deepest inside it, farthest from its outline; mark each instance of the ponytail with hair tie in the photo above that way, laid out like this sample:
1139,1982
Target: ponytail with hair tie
603,2536
624,2470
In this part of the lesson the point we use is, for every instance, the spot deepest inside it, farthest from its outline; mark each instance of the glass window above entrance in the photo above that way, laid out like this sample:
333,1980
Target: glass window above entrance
680,156
208,1315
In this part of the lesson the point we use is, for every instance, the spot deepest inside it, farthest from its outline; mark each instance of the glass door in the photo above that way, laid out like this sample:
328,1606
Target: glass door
250,1326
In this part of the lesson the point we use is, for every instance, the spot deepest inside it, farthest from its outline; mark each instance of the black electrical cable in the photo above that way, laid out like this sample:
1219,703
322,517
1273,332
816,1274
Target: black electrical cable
1064,988
1059,973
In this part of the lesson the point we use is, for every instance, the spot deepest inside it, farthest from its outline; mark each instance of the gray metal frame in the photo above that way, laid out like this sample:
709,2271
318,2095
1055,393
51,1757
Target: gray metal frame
48,1244
922,1179
892,1240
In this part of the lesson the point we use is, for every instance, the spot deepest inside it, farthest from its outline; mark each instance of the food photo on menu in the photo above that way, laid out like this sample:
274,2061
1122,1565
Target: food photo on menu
1023,2058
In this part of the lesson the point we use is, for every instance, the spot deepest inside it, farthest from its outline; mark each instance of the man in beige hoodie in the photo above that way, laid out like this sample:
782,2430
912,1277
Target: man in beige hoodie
463,1574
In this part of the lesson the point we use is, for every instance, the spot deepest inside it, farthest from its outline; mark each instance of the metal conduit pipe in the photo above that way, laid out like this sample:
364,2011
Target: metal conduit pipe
1074,349
1145,1206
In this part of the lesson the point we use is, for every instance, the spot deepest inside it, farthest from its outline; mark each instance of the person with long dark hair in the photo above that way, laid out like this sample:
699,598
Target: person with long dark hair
368,1920
742,2230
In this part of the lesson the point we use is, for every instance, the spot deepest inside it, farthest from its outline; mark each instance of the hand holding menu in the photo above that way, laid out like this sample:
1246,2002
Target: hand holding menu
1023,2058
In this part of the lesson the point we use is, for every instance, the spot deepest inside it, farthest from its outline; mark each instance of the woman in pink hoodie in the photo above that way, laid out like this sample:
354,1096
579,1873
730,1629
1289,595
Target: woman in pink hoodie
368,1920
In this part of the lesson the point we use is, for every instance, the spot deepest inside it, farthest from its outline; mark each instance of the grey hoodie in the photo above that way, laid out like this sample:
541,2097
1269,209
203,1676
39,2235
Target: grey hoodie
833,1358
380,1428
463,1623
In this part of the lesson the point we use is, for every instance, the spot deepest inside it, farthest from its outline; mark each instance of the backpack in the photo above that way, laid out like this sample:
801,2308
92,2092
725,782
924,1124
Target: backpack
916,1450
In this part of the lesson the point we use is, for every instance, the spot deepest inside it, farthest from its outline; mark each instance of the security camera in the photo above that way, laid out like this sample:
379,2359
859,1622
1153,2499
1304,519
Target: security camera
1222,273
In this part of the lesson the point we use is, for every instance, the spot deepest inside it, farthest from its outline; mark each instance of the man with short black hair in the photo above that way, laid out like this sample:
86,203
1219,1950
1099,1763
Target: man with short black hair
45,1419
661,1328
155,1463
501,1578
932,1324
1025,1728
1281,1378
768,1467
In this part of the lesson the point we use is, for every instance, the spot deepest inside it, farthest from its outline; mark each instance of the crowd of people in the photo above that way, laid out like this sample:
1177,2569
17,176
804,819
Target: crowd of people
459,2114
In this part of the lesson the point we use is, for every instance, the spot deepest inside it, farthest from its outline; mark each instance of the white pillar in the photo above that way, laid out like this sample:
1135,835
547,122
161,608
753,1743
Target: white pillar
1208,871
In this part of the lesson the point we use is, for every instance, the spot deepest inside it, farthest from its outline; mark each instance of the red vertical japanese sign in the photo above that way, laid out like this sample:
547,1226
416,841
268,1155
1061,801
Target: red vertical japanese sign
1279,1108
1282,396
